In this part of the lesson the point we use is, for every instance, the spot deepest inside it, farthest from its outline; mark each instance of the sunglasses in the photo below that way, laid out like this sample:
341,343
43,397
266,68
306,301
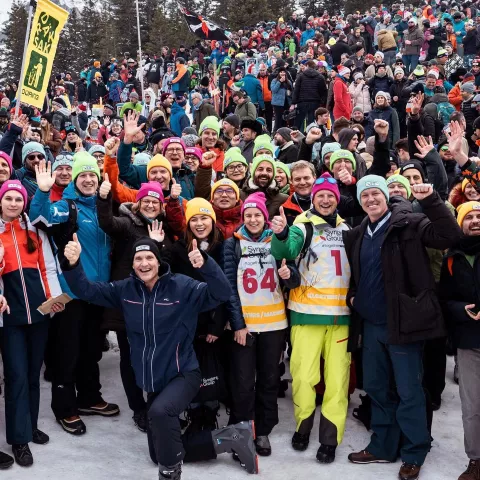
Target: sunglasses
444,148
322,180
36,155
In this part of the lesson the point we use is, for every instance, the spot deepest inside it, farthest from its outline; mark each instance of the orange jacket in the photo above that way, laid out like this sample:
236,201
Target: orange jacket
455,97
121,193
267,93
182,70
218,163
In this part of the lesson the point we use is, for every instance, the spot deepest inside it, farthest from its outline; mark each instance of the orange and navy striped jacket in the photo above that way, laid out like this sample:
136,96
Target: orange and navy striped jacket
27,279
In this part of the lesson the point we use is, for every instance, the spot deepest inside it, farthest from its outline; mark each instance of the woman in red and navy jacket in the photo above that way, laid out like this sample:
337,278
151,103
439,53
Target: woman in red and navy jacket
28,278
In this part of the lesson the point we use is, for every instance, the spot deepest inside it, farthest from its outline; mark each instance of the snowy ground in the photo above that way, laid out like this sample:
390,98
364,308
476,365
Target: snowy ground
115,449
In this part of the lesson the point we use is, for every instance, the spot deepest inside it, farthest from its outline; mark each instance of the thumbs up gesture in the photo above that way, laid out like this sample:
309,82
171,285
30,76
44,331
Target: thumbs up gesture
175,189
279,222
105,187
284,271
195,257
73,250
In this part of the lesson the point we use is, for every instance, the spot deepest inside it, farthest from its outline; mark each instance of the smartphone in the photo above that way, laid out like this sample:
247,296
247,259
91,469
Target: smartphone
472,311
250,339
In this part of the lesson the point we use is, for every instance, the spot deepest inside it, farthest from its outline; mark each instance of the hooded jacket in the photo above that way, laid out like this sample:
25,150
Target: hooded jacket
160,323
343,100
178,120
246,110
96,243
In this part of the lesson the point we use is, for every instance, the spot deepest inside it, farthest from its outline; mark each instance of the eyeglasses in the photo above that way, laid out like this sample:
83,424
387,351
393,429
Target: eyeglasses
229,192
36,155
153,203
174,150
321,180
98,156
238,168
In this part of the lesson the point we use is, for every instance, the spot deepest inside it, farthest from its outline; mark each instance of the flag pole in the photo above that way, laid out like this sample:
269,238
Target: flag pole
140,48
22,71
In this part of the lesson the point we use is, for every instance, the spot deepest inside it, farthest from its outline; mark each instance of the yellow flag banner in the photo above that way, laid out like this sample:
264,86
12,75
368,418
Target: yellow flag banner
47,24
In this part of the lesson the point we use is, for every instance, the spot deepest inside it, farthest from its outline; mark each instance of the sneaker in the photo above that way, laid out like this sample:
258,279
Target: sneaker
172,473
326,453
140,420
409,471
262,445
365,457
472,472
23,455
39,437
6,461
104,409
300,441
74,425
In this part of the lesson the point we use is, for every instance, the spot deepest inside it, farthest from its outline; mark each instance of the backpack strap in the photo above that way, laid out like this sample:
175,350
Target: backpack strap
306,244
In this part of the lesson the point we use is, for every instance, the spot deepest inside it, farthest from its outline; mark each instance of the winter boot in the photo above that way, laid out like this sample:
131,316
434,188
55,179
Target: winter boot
6,461
238,439
172,473
262,444
22,454
301,439
472,472
326,453
140,420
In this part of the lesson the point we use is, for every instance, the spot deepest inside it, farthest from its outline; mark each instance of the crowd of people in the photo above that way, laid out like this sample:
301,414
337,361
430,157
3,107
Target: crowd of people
307,191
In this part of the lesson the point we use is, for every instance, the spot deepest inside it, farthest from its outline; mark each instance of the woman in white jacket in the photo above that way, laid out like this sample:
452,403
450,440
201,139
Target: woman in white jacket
360,93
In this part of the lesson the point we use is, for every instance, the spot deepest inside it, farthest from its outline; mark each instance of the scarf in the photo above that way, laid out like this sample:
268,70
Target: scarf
470,245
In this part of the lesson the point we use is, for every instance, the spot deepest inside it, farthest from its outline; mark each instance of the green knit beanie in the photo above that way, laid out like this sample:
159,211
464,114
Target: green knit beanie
262,142
285,168
347,155
210,122
84,162
400,179
233,155
263,158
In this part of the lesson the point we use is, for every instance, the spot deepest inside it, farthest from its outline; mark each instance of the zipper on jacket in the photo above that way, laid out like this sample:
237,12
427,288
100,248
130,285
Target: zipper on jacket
178,363
20,269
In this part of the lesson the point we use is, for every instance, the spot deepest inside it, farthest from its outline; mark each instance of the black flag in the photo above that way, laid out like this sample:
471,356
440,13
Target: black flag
202,27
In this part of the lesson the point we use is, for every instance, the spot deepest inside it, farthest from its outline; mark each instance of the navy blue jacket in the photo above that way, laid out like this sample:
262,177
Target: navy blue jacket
160,324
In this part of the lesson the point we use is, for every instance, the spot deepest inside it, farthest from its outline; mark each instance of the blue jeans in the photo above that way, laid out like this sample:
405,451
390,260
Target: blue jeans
393,379
411,62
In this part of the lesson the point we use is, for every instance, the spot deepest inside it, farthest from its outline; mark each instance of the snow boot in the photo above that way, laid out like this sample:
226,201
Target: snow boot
172,473
326,453
301,438
472,472
22,454
140,420
262,445
238,439
6,461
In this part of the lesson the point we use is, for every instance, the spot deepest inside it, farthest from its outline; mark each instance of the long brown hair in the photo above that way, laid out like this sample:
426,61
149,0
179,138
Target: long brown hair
31,243
214,238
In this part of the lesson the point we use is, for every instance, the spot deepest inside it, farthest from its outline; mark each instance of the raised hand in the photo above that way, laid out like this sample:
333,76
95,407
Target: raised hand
45,177
284,271
345,177
279,222
313,135
155,232
21,121
131,127
208,158
381,127
73,250
111,146
235,142
175,189
423,145
422,190
195,257
417,103
105,187
455,143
